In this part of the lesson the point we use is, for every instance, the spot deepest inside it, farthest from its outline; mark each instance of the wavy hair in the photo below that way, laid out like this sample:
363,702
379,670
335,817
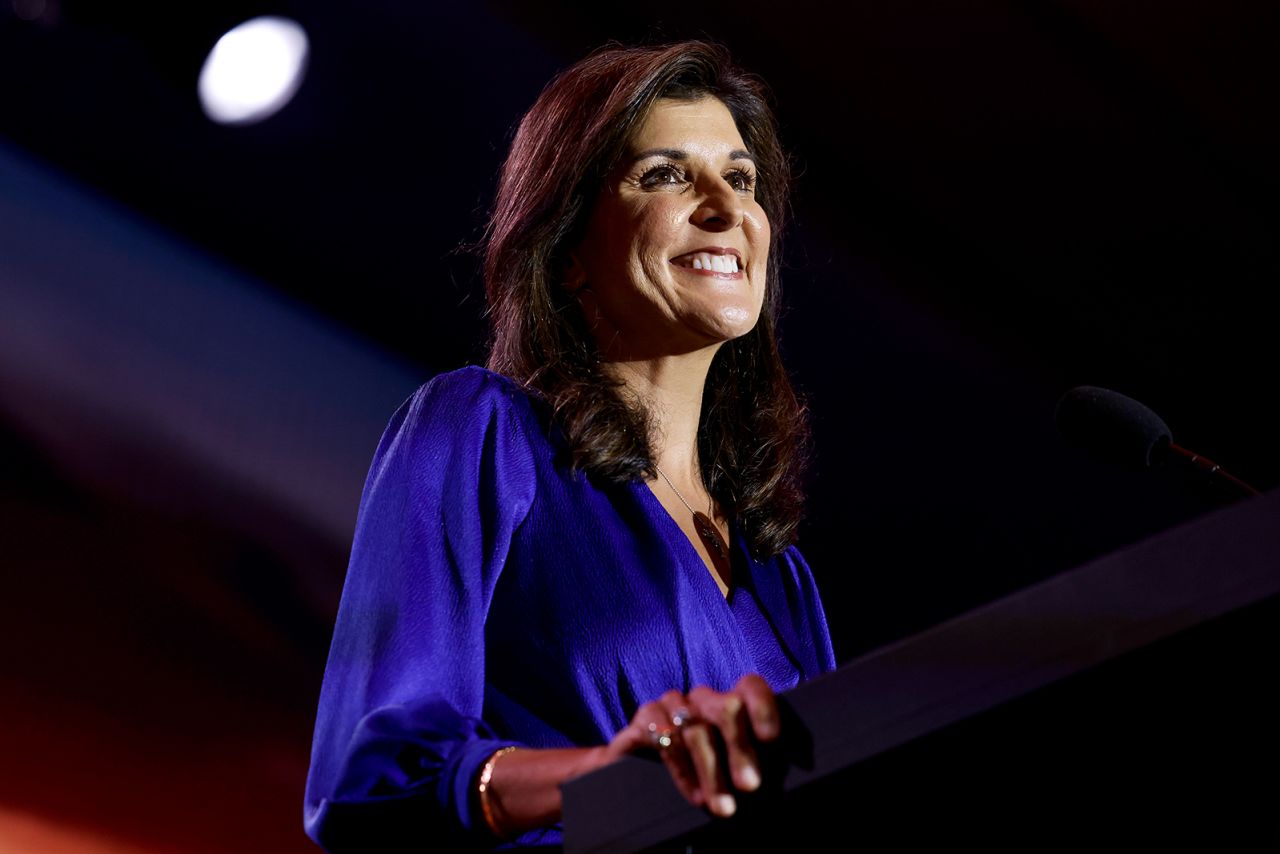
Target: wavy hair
752,436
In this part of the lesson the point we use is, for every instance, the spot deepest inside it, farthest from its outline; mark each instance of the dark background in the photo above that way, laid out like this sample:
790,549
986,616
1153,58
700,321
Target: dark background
204,329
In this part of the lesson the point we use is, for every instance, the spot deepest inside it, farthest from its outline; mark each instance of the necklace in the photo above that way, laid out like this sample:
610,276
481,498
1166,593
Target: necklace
707,530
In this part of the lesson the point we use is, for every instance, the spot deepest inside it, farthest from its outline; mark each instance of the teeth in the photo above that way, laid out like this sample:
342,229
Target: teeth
715,263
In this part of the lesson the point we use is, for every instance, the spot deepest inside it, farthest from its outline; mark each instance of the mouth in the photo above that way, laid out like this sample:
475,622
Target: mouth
712,261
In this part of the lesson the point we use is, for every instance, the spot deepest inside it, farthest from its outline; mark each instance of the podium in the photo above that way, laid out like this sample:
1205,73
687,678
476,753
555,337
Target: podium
1130,700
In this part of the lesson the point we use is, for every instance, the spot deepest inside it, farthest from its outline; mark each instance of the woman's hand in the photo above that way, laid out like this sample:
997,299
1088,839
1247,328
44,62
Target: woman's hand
707,739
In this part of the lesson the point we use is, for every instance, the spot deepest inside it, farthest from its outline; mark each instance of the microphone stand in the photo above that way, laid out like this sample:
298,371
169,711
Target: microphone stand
1208,466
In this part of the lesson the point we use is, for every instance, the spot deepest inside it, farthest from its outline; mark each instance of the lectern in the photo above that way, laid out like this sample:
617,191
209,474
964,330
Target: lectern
1130,701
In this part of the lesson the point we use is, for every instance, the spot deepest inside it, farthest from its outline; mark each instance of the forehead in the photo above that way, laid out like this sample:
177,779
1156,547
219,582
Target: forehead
704,126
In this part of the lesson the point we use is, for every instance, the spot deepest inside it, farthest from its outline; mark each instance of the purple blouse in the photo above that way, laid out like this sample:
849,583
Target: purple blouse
495,598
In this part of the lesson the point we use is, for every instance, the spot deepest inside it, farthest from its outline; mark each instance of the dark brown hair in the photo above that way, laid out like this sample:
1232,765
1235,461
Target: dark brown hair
752,435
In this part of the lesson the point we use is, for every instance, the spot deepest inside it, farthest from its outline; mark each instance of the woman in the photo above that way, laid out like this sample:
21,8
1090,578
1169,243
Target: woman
586,550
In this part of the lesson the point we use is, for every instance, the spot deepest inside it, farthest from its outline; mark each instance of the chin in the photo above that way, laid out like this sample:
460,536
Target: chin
736,321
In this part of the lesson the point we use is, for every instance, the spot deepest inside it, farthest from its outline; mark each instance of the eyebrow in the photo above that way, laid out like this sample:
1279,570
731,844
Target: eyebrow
678,154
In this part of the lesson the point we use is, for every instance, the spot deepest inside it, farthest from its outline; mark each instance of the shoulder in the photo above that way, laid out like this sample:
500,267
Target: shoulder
807,610
472,417
469,390
461,431
464,403
790,563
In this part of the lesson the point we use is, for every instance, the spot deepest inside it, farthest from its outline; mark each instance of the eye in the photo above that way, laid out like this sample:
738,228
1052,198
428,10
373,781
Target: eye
662,175
741,180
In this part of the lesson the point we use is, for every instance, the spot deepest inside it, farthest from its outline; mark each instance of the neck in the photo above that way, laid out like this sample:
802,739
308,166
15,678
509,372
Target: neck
670,388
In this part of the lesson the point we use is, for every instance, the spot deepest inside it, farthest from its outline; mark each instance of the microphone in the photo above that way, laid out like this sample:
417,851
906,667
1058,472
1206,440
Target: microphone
1121,430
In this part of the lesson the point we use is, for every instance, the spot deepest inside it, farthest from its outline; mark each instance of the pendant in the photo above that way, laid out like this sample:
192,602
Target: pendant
710,534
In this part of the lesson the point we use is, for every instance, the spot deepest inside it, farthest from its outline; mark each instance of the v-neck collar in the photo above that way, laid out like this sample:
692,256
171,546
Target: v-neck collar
767,585
690,557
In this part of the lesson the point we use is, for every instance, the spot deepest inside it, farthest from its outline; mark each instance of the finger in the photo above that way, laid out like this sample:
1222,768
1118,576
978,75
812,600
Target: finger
680,766
637,736
728,713
677,757
701,740
762,706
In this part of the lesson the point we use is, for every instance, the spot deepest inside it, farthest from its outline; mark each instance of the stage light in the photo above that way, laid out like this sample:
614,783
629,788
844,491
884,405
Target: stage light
253,70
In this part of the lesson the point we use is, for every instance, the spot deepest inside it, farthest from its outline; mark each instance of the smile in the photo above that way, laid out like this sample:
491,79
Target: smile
723,262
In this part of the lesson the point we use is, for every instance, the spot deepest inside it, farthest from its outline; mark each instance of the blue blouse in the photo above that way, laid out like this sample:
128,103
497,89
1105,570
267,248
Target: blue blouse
494,598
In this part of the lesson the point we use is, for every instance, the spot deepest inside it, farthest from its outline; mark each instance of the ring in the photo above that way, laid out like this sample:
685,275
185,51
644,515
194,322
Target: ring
661,739
680,717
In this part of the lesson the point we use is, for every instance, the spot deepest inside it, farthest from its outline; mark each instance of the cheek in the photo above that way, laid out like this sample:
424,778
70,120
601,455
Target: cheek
759,234
756,223
618,240
655,235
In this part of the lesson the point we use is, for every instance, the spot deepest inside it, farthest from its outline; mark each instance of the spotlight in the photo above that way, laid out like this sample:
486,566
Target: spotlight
253,70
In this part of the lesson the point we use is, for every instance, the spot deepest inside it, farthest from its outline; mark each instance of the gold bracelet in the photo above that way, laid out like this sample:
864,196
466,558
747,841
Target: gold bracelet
486,806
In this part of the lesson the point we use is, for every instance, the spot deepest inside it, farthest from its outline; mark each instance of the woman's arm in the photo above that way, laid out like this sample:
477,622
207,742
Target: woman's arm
399,737
524,789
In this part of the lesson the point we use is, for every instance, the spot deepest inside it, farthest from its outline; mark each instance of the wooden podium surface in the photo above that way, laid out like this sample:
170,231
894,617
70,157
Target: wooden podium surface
1127,700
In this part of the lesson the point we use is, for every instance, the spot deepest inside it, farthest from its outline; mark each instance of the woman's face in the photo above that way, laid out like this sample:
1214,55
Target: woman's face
676,249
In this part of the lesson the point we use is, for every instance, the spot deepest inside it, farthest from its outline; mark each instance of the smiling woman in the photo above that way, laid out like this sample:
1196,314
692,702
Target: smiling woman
587,550
651,278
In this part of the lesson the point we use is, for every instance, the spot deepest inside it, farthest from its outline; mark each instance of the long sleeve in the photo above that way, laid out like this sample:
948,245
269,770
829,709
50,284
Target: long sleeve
398,738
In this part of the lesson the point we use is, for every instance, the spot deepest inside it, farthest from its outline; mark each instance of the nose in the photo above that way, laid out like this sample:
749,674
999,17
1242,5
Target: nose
720,208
